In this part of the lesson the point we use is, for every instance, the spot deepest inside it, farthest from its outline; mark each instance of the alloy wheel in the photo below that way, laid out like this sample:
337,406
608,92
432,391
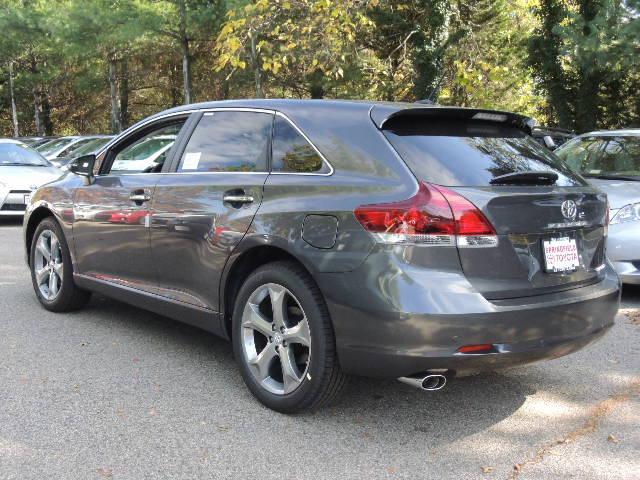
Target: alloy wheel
48,266
276,339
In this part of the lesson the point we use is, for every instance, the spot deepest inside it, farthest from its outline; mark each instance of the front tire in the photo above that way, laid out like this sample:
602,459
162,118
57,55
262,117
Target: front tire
52,270
283,340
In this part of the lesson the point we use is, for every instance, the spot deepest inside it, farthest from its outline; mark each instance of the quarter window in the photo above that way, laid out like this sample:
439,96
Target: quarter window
292,152
228,142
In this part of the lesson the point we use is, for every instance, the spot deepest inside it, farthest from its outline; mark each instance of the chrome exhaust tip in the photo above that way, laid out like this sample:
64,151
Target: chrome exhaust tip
429,382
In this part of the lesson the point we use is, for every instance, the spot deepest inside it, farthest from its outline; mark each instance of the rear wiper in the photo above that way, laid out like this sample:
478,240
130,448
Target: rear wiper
525,178
611,177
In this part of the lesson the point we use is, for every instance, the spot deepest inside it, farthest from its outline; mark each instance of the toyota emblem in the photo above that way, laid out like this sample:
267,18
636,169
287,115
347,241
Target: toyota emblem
569,209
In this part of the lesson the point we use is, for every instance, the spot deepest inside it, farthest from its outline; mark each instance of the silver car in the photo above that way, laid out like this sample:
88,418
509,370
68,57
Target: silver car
64,147
22,170
611,161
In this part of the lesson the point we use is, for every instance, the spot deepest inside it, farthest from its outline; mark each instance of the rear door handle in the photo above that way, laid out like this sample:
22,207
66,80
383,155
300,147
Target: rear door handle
238,199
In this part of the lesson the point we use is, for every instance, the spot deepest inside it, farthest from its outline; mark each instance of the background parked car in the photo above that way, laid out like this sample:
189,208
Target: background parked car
611,160
65,146
22,170
86,148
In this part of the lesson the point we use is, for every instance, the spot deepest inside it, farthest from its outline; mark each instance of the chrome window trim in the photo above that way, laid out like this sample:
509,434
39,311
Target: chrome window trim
145,123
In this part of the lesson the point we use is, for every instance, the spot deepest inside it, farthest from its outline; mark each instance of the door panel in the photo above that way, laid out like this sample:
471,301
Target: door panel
193,231
111,231
112,214
201,212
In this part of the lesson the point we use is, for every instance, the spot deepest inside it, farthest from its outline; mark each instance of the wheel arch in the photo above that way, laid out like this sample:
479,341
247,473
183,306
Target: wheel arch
35,218
240,268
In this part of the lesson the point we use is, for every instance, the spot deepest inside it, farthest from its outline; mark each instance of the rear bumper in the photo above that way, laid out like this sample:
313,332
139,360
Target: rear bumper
381,339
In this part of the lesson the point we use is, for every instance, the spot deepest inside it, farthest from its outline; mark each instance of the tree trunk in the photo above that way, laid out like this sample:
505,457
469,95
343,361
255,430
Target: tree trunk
186,58
115,101
36,112
316,88
257,68
14,110
124,94
47,125
174,80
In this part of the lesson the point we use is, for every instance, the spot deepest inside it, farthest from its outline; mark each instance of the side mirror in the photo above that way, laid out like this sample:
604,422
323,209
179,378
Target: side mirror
549,143
83,166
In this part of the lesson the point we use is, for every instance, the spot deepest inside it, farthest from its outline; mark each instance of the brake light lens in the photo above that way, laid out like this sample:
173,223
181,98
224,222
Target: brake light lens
434,216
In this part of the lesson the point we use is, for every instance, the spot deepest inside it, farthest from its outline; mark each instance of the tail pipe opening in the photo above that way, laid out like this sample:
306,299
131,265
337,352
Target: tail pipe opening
428,381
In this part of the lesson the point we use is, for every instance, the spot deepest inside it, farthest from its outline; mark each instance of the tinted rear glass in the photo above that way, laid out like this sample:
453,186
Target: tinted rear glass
471,153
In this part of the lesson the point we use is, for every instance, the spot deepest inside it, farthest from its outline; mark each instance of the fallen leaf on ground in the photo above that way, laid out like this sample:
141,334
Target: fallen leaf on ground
487,469
612,438
105,472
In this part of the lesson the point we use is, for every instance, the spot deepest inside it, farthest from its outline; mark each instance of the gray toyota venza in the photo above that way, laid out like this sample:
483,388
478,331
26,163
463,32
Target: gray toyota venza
335,238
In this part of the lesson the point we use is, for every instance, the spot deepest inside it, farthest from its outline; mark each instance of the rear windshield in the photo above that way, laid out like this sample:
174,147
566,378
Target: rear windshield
471,153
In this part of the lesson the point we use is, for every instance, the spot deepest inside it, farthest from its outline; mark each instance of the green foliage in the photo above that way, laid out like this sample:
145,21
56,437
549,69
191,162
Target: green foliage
585,57
98,65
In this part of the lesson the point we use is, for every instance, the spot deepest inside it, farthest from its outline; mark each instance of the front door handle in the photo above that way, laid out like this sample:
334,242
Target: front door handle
238,199
139,197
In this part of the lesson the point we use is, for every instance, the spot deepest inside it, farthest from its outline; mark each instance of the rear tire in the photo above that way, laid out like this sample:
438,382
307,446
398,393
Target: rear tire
52,270
286,354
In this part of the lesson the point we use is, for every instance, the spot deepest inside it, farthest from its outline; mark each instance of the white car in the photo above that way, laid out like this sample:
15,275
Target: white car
611,161
22,171
63,147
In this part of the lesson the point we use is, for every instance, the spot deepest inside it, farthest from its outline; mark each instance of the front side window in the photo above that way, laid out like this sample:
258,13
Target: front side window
228,142
292,152
148,153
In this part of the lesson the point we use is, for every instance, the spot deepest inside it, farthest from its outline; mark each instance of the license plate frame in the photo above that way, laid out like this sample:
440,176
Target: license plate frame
27,199
561,254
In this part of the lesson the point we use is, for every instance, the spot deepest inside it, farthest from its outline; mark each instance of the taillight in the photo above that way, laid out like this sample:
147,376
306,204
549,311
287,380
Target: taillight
433,216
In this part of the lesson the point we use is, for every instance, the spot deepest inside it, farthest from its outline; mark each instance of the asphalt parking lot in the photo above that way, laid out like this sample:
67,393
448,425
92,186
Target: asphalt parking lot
116,392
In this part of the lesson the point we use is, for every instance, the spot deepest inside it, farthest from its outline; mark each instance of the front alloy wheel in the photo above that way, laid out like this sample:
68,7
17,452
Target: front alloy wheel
52,269
48,264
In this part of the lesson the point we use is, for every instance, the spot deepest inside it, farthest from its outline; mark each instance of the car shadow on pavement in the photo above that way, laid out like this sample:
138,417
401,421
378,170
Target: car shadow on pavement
467,405
11,222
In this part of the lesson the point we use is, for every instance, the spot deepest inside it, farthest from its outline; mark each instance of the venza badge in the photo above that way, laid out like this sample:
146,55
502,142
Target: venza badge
569,209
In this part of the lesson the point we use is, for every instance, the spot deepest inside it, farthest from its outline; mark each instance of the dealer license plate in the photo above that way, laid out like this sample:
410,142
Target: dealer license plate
561,254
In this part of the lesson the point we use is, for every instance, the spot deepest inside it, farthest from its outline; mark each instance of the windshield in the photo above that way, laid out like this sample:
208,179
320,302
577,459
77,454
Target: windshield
54,145
604,157
472,153
13,154
90,147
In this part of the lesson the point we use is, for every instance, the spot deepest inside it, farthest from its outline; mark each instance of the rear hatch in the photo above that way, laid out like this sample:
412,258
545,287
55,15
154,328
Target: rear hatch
550,224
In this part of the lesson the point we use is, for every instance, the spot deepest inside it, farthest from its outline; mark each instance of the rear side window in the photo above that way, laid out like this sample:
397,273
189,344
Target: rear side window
292,152
228,142
471,153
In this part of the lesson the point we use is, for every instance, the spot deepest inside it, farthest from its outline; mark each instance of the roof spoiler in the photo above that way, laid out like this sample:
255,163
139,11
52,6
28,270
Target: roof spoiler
382,115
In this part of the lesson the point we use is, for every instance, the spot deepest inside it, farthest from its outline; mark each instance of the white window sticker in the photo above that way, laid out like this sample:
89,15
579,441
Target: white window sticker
191,161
